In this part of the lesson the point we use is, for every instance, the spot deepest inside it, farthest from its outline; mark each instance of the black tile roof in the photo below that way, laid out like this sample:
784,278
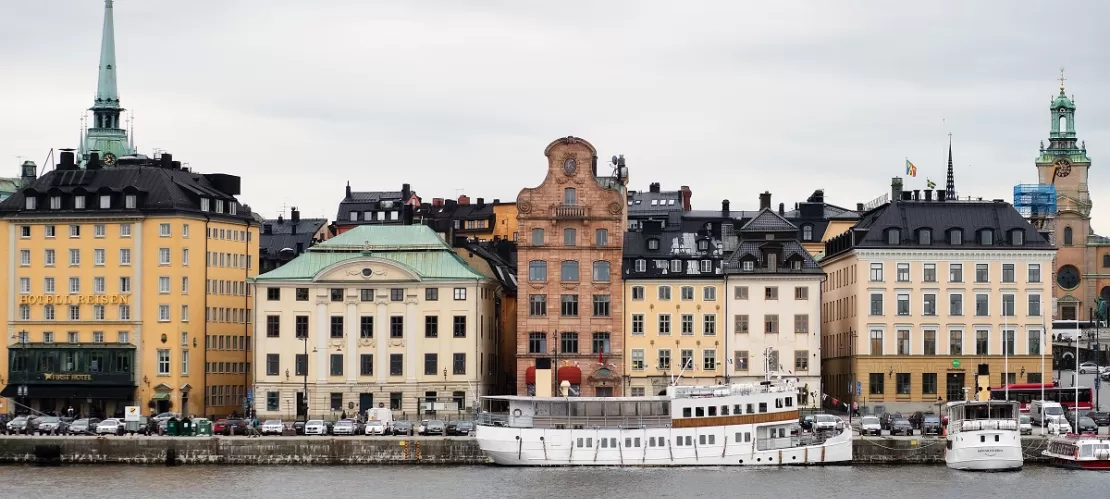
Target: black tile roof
283,236
768,221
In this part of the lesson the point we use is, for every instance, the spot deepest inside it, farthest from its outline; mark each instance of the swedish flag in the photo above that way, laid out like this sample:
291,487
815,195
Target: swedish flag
930,184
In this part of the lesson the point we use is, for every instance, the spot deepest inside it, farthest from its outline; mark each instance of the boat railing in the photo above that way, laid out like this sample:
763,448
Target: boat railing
578,422
681,392
493,419
985,424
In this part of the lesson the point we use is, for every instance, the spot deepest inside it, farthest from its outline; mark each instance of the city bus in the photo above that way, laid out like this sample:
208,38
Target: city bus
1028,392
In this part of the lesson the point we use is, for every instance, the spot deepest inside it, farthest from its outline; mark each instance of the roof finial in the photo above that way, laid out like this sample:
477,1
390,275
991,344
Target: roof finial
1062,80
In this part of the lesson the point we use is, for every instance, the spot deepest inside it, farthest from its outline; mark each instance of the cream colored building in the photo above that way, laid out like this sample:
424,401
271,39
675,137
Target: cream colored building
922,293
378,316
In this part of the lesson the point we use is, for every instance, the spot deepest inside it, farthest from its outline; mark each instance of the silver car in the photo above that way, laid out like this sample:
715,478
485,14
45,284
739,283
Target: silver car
344,427
110,427
50,425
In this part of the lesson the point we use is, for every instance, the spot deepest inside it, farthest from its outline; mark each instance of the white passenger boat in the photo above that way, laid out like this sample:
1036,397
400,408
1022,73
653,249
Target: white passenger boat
735,424
983,436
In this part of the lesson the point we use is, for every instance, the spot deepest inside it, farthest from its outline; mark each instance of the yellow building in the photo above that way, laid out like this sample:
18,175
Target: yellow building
504,217
127,285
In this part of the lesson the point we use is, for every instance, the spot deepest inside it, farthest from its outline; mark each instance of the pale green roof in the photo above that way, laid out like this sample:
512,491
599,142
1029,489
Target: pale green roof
416,247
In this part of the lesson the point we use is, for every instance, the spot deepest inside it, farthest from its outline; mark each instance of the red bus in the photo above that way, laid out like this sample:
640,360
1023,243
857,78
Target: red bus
1028,392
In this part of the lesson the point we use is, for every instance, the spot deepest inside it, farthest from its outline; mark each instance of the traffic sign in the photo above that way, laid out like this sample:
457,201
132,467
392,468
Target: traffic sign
859,388
250,394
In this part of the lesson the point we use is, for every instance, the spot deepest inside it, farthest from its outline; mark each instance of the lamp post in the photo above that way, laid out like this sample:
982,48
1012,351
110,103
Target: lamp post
851,374
304,397
22,390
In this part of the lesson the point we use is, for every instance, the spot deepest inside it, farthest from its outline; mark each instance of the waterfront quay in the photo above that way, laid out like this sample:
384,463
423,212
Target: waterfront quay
313,450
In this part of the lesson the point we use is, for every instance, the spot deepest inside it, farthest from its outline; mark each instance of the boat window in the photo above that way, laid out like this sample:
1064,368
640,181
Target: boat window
712,410
982,438
699,412
789,401
579,442
778,403
689,440
747,437
589,442
750,409
736,409
685,412
724,410
763,407
996,438
678,442
605,443
651,441
737,437
701,439
712,439
628,441
637,441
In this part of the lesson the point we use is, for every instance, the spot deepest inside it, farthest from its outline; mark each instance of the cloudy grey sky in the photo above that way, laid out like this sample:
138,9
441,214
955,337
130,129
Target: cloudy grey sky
728,97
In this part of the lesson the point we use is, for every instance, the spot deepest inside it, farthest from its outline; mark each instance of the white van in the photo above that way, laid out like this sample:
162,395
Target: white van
1040,409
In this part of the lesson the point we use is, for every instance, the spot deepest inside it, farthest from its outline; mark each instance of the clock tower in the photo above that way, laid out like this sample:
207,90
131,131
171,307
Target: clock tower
105,136
1065,164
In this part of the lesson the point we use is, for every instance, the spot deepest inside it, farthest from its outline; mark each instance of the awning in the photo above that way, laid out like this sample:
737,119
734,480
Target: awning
160,396
530,375
571,374
71,392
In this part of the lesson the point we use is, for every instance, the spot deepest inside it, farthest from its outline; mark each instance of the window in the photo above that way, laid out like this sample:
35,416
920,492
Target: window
929,272
1008,341
25,285
273,294
537,342
986,236
301,326
24,231
955,272
982,342
458,366
569,342
893,236
1008,305
801,293
365,364
653,244
366,326
1035,271
568,271
665,293
686,359
956,304
638,359
801,323
98,312
569,305
876,272
771,324
431,363
396,294
709,361
903,304
903,272
537,237
459,327
125,256
74,257
55,202
337,326
902,382
687,324
771,293
163,313
163,284
903,342
638,324
336,364
125,312
601,237
570,196
601,271
955,342
273,326
459,294
876,384
570,237
876,304
122,337
397,326
1034,342
982,304
49,258
641,265
396,368
686,293
48,285
876,342
741,323
709,293
807,232
163,362
48,337
1035,305
163,256
956,237
741,361
537,305
709,324
431,294
930,344
1008,273
801,360
537,270
30,203
929,305
637,293
601,305
74,285
163,230
924,237
273,364
129,202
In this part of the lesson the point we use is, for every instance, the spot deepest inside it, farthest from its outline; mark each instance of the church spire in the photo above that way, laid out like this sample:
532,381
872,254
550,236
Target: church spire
950,188
107,93
106,135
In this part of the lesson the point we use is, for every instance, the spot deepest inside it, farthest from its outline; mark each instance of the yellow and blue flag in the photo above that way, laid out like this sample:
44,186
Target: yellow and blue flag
911,170
930,184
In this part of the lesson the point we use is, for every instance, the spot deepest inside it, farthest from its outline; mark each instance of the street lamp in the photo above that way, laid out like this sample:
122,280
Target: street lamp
304,398
851,375
22,389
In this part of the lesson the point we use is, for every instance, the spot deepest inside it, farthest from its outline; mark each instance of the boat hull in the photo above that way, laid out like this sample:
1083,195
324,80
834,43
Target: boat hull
1074,464
978,451
559,447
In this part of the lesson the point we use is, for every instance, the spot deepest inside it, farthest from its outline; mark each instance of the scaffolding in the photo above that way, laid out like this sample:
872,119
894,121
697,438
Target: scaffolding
1037,203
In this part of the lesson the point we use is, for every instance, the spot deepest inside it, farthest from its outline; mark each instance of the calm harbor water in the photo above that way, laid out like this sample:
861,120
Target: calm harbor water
487,482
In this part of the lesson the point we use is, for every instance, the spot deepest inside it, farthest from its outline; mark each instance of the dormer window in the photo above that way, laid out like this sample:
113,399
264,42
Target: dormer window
893,236
924,236
676,265
653,244
641,265
233,207
986,237
129,202
354,216
807,232
105,202
796,264
749,266
703,245
219,206
654,202
78,202
955,237
1017,237
55,202
29,203
205,205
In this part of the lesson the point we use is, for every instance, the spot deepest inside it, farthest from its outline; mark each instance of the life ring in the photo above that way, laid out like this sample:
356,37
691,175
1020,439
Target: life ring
517,413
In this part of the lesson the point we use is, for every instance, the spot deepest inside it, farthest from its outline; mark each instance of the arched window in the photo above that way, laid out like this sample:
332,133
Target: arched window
570,237
569,271
1063,124
807,232
1067,236
601,271
537,270
537,237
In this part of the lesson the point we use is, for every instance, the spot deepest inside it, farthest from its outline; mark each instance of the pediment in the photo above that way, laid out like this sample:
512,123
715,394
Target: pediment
368,270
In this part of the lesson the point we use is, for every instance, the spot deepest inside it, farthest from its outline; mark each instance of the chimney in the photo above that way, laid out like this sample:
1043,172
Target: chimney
437,202
895,189
765,200
348,190
292,228
859,207
940,195
94,161
686,195
281,219
782,211
907,196
928,194
496,201
654,187
406,192
724,207
66,160
295,215
481,202
916,194
267,229
176,165
464,200
167,160
300,247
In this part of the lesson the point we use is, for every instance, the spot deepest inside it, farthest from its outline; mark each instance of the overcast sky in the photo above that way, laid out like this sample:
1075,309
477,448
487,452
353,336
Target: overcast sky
460,97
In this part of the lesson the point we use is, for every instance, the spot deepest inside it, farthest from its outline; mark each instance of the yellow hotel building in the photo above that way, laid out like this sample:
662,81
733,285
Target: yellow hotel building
126,285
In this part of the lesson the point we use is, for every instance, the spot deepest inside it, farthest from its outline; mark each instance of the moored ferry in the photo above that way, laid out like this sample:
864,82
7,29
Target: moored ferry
734,424
983,436
1085,452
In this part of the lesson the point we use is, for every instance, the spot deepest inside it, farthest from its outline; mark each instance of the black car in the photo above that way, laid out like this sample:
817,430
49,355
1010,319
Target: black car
461,428
901,426
298,427
1101,418
1086,425
930,425
806,422
403,427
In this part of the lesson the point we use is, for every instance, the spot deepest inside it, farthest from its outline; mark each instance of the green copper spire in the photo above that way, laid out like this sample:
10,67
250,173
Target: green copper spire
106,137
1061,136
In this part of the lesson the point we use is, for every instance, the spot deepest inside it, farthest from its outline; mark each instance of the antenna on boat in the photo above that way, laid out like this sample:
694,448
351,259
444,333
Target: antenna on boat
767,364
674,379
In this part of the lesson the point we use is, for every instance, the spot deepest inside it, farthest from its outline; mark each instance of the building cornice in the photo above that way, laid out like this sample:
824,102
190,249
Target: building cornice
1046,254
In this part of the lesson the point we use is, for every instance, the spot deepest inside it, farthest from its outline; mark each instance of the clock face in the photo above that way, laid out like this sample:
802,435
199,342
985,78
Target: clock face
109,159
1068,277
1063,168
569,166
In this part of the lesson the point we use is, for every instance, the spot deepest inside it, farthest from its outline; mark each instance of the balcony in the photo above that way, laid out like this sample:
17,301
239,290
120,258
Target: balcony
570,212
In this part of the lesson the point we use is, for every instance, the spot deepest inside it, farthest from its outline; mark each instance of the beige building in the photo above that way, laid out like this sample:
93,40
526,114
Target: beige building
379,315
921,295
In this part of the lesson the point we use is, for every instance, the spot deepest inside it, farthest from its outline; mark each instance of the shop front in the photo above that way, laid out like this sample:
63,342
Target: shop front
93,380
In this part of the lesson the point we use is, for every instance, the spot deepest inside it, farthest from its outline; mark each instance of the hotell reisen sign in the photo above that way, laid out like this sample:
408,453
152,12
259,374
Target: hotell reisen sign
74,299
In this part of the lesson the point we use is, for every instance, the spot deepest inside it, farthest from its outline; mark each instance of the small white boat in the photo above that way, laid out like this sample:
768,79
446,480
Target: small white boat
1081,452
983,436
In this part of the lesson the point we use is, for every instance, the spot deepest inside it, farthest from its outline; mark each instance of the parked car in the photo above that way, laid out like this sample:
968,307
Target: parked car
234,427
825,422
50,425
1025,424
901,426
272,427
930,425
110,426
870,425
1057,425
1072,414
1088,368
402,427
1101,418
806,422
916,419
345,427
298,427
888,418
17,425
83,426
315,427
434,427
462,429
1086,425
375,427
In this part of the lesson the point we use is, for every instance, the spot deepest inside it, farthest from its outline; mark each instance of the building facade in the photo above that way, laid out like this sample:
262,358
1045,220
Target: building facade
773,302
923,292
378,315
571,327
108,301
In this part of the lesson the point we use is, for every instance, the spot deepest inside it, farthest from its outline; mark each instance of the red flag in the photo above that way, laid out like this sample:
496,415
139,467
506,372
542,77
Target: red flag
600,358
836,402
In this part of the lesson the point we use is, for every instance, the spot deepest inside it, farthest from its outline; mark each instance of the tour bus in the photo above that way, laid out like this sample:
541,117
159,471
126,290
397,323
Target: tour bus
1026,393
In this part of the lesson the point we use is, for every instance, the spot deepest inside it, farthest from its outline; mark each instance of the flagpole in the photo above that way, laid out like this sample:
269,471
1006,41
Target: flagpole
1044,340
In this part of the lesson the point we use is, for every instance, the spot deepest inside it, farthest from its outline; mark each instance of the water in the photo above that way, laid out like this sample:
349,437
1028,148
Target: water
488,482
